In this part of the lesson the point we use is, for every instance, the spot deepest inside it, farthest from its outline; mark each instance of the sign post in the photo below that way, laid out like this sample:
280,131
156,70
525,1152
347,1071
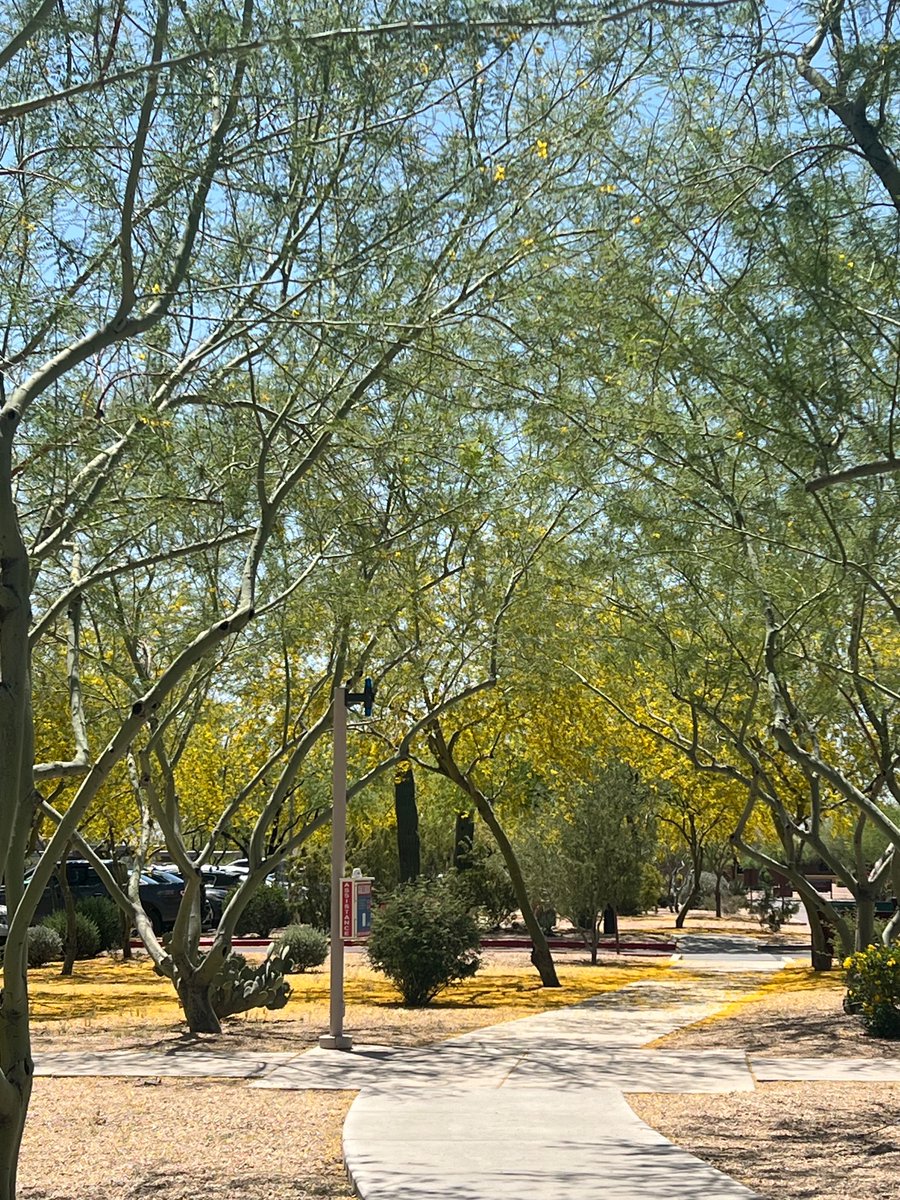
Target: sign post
343,899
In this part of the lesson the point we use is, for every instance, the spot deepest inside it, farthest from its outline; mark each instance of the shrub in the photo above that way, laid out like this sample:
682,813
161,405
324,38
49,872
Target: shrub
771,911
302,947
486,886
309,884
87,935
44,946
424,938
106,916
267,909
873,989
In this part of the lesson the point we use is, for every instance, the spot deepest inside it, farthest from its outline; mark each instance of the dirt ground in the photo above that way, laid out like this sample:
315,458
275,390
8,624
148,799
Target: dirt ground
133,1139
127,1139
790,1141
804,1019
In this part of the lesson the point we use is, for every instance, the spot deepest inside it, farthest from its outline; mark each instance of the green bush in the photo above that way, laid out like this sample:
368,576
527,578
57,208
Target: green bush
267,909
302,947
44,946
424,938
486,886
873,989
106,916
87,935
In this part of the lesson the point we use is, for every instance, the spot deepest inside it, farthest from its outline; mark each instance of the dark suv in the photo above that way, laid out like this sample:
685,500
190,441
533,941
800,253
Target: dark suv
159,898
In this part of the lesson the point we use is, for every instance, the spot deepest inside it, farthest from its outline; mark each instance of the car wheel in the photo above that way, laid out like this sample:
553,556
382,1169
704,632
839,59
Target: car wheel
156,921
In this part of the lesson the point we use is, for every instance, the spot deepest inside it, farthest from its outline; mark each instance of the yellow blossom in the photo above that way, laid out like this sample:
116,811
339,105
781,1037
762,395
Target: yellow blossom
499,173
635,220
541,148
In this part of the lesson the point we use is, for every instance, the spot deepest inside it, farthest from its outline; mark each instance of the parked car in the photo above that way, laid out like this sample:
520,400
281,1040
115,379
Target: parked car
159,897
217,883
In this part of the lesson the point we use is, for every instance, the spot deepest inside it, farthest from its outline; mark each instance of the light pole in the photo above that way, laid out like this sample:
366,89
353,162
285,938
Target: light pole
335,1038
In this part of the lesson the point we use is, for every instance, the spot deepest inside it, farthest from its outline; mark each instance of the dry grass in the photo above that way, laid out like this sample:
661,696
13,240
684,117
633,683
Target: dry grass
125,1004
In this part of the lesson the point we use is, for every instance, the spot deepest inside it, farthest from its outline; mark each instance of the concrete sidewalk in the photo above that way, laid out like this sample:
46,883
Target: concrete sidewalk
536,1108
518,1144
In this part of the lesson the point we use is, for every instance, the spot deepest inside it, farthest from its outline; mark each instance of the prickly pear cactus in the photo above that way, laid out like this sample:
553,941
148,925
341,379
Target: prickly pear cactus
242,985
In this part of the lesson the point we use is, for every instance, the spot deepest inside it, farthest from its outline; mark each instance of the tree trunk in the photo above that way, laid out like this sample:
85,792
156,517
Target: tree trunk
199,1013
865,921
595,941
12,1123
71,940
686,908
696,852
718,895
18,1065
541,957
120,875
407,815
822,941
463,840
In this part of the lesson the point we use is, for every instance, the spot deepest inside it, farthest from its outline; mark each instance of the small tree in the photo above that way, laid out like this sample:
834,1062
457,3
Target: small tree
424,938
605,835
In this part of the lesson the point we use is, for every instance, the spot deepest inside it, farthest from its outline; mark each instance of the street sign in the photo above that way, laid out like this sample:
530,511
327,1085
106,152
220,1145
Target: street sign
346,909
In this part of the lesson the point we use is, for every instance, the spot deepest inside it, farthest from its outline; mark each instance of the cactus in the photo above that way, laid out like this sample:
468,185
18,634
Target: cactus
242,985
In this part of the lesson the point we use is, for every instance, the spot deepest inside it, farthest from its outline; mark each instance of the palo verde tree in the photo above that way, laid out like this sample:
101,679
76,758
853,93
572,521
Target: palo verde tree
168,333
596,848
295,208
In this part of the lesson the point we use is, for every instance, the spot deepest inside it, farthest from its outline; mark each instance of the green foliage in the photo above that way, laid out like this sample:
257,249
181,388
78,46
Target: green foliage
44,946
487,887
651,887
106,916
241,985
873,989
267,909
87,935
604,839
424,938
309,884
302,947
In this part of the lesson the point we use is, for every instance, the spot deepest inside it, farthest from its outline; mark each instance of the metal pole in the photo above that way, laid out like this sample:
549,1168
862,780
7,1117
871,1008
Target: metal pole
336,1039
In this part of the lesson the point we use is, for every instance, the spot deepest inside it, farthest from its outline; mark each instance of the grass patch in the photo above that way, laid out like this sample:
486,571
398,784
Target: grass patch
110,992
493,986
